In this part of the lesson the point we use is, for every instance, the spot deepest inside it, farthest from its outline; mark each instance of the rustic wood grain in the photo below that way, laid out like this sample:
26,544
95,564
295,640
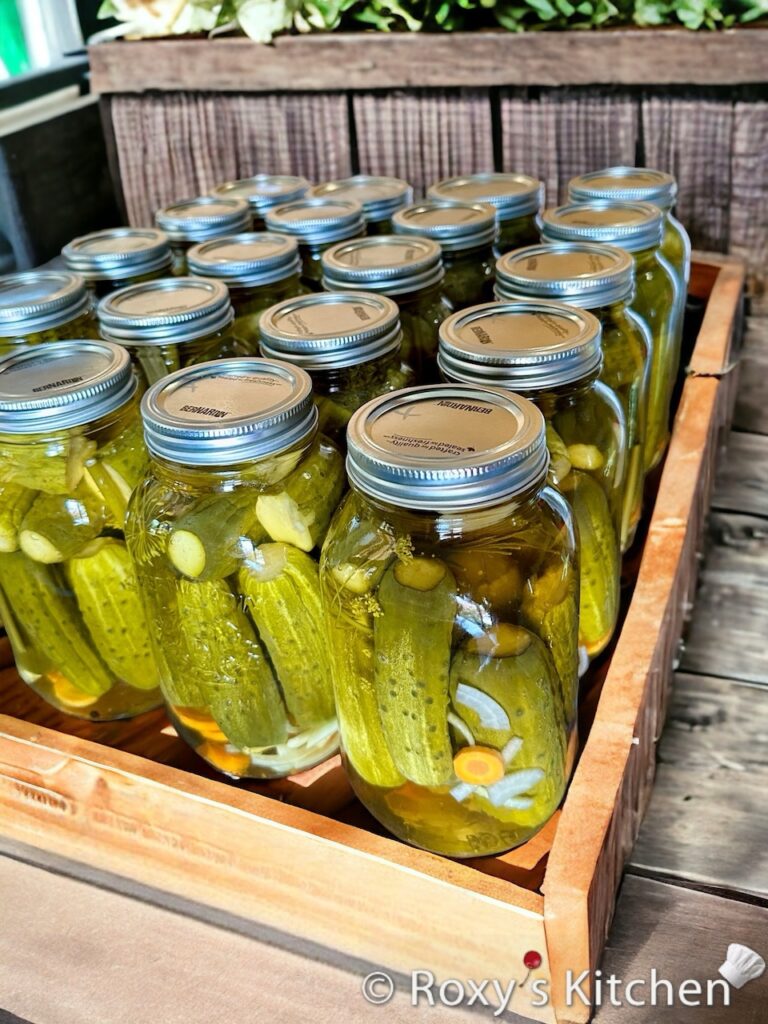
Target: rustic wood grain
691,138
560,133
424,136
683,935
742,479
402,59
706,822
727,636
751,412
174,146
748,234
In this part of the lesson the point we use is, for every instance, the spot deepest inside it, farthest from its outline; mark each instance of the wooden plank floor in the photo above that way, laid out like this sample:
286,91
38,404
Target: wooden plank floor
76,951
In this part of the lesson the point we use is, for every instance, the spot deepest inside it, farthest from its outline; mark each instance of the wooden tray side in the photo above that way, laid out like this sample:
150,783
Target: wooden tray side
612,784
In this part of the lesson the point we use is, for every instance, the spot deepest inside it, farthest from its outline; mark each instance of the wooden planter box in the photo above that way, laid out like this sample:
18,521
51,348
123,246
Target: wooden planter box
302,857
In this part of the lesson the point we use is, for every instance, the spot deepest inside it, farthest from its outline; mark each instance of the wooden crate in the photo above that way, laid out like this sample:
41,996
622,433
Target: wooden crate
301,855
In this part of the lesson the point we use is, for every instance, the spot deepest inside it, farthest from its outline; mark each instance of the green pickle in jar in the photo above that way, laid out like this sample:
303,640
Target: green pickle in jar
517,199
260,269
379,198
224,532
551,353
118,257
192,221
450,586
38,306
71,453
316,224
350,343
409,270
168,324
637,228
262,192
599,278
466,233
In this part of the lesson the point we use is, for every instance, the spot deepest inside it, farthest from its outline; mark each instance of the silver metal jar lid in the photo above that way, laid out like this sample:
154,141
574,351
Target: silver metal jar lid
315,221
456,226
228,411
39,300
633,226
525,346
391,264
379,197
513,195
165,312
329,330
636,184
195,220
446,447
118,253
582,274
249,259
263,191
54,387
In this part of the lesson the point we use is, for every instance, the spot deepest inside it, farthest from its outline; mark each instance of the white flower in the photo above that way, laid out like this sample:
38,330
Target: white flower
162,17
262,19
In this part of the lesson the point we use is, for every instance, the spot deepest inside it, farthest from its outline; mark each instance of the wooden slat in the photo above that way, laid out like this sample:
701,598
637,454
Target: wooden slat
692,138
727,636
173,146
749,185
424,136
557,135
402,59
742,479
713,765
752,400
682,935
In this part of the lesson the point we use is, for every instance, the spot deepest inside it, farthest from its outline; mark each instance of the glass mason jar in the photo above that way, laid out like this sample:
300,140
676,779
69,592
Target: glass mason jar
551,353
379,198
224,533
450,586
649,186
637,228
599,278
117,257
170,323
71,452
37,306
196,220
259,269
316,224
466,233
409,270
262,192
348,342
517,199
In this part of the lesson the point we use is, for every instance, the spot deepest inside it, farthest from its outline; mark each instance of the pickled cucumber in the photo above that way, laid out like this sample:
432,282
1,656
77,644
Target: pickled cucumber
550,608
599,562
15,502
412,648
117,468
559,459
55,464
300,513
233,674
212,539
106,591
58,526
47,614
281,589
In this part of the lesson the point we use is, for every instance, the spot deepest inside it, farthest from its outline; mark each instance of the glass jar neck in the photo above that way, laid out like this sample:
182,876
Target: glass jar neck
284,287
472,255
256,472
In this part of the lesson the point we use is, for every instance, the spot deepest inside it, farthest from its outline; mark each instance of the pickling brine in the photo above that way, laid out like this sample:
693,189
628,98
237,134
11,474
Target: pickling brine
224,532
450,586
71,452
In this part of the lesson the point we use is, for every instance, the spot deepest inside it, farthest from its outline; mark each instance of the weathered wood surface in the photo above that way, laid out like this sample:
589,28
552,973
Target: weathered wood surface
728,635
707,821
749,197
683,935
742,479
399,60
752,400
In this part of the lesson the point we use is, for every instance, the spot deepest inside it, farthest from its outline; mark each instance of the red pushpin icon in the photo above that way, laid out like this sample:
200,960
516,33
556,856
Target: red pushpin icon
532,961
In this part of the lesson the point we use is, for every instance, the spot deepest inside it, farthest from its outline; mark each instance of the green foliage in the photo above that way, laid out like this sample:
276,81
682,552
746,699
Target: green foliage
262,19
